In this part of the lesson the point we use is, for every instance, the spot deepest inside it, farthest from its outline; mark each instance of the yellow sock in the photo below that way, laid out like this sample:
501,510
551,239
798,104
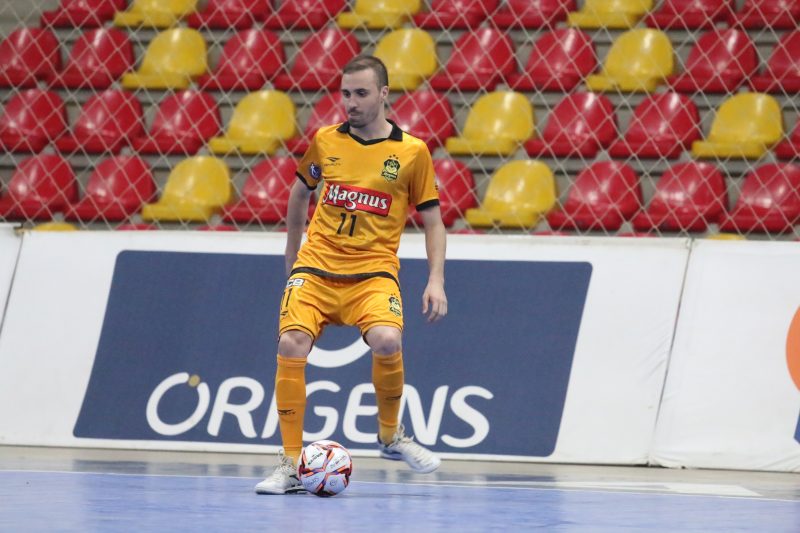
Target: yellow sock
290,396
387,376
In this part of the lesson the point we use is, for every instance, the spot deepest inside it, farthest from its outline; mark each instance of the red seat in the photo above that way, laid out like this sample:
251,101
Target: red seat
40,186
116,189
769,201
480,60
455,14
230,14
532,13
107,122
319,61
98,58
265,196
662,125
26,55
183,123
426,115
327,111
790,148
689,14
456,191
559,61
578,126
248,61
719,62
304,14
603,196
688,197
774,14
82,13
782,73
31,119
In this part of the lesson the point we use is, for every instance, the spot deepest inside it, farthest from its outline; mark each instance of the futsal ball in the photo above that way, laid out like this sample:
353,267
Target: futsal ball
325,468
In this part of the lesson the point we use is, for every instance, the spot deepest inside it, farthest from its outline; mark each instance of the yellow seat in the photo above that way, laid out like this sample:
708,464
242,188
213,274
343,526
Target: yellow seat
409,56
519,193
154,13
726,237
172,59
746,126
378,14
637,62
196,188
621,14
260,124
55,226
496,125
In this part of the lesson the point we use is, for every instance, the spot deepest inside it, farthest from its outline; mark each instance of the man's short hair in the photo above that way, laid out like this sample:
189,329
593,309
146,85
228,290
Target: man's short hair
372,63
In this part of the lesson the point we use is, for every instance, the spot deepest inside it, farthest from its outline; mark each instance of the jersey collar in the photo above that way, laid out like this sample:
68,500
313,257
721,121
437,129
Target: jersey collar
395,135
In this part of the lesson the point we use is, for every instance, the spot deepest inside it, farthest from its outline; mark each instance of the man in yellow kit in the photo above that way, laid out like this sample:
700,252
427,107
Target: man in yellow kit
347,271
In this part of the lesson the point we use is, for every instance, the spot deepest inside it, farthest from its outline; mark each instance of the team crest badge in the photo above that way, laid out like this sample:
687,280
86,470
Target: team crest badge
315,171
391,168
394,305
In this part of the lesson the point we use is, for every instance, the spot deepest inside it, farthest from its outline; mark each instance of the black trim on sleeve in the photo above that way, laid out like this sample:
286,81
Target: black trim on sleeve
303,179
427,205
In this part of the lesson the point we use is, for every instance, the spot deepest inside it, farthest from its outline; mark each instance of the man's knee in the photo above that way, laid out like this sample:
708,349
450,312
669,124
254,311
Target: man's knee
294,343
384,340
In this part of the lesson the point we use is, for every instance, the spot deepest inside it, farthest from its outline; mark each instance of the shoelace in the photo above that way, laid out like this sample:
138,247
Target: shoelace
285,468
407,443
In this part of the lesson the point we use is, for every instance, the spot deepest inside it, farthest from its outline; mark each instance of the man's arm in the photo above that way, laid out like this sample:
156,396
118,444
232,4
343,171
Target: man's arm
434,299
296,221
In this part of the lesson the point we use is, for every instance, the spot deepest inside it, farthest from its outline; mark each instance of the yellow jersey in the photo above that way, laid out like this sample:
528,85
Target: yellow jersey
363,206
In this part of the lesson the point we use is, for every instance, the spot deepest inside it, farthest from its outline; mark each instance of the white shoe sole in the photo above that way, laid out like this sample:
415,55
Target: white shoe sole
421,470
265,490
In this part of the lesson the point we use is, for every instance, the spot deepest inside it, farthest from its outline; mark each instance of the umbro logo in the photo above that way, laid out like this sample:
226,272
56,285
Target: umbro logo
332,161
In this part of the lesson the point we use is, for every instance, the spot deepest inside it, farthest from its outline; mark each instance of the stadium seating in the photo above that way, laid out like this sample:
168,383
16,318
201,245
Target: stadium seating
98,58
154,13
196,188
107,122
746,126
378,14
183,122
480,60
774,14
559,61
172,59
31,119
531,14
248,61
328,110
230,14
768,202
638,61
55,226
578,126
81,13
782,73
497,124
304,14
261,122
719,62
455,14
790,148
456,191
689,14
115,190
28,55
616,14
662,125
39,187
409,56
265,195
519,193
688,197
426,115
319,61
602,196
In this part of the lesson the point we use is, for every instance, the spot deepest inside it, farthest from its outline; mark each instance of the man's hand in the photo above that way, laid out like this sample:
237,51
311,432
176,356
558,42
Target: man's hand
434,301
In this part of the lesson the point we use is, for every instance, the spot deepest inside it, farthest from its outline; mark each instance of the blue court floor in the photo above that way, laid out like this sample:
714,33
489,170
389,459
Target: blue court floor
84,490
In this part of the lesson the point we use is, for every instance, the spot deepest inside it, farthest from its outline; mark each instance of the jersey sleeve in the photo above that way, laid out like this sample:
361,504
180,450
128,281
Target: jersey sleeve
309,169
424,192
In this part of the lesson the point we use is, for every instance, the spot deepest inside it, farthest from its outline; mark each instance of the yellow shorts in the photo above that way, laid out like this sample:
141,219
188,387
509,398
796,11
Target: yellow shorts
312,302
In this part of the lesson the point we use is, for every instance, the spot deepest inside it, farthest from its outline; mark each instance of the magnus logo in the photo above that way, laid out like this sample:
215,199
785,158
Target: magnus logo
793,359
357,199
